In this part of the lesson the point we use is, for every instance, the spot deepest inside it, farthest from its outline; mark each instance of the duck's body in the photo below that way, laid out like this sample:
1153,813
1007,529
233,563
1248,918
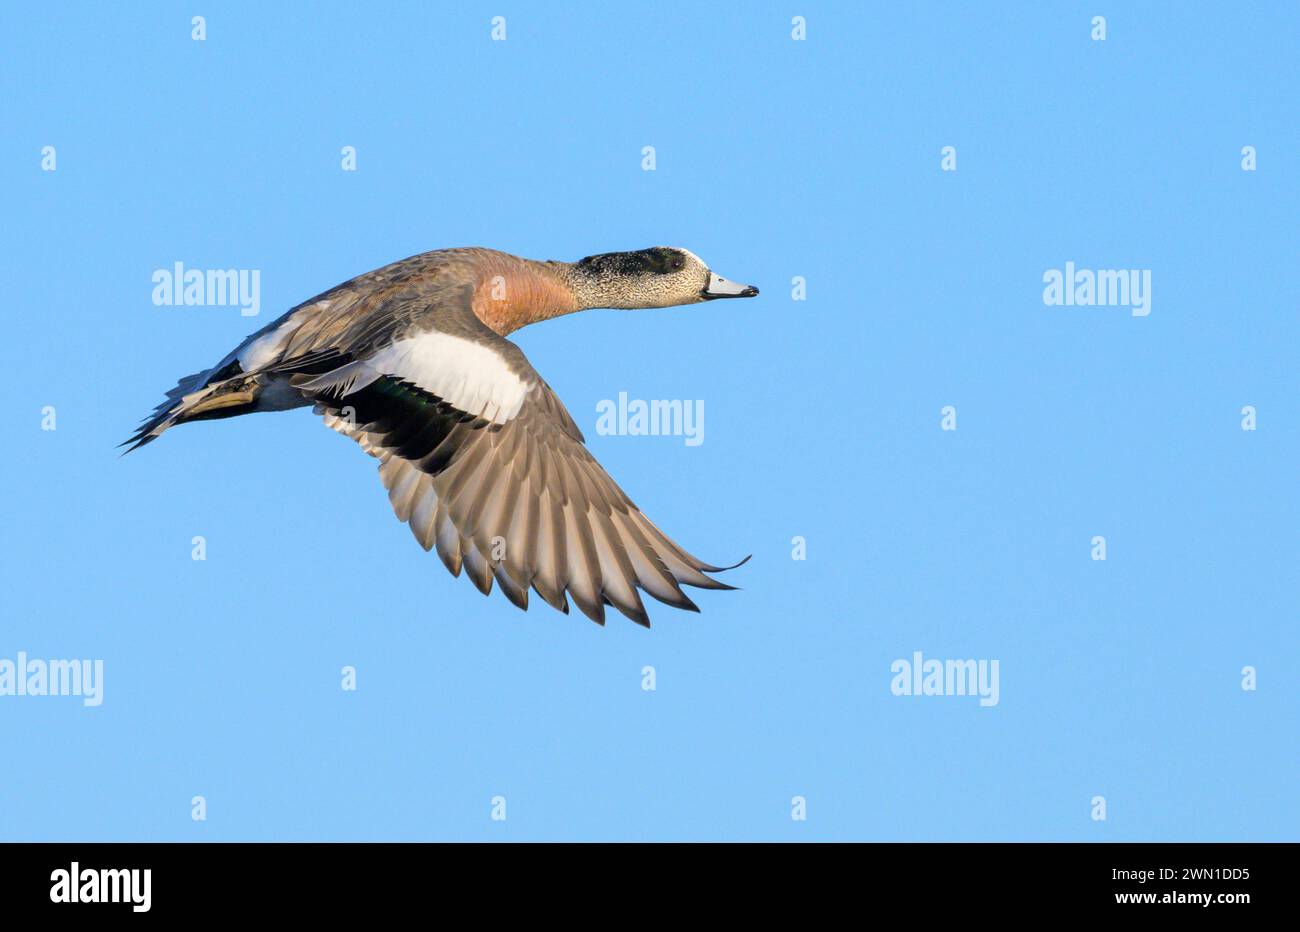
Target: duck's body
476,451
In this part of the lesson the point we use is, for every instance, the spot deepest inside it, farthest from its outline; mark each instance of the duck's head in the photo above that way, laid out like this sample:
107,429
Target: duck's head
662,276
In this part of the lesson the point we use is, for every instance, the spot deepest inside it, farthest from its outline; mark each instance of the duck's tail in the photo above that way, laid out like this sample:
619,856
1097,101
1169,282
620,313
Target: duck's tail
198,397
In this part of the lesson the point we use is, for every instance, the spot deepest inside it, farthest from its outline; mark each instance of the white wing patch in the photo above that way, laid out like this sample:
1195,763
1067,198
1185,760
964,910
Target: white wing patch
267,348
463,373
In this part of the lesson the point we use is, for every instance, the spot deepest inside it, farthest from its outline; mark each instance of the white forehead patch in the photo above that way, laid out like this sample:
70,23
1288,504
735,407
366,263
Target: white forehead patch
689,253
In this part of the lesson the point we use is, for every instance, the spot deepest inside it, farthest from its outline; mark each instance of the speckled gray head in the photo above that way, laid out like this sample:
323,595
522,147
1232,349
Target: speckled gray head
661,276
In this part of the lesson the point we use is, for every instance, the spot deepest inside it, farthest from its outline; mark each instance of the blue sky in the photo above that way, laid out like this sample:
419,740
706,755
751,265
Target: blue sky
775,158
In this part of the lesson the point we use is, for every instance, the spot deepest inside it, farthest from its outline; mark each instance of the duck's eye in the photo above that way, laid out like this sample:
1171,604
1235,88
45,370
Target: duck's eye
677,263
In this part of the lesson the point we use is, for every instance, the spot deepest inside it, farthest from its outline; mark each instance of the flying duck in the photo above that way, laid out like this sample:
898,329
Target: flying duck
477,453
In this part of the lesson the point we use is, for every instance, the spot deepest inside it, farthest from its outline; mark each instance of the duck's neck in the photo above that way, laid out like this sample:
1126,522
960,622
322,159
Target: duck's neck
514,292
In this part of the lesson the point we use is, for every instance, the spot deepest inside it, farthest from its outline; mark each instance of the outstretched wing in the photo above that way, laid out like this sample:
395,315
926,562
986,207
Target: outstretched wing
482,460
